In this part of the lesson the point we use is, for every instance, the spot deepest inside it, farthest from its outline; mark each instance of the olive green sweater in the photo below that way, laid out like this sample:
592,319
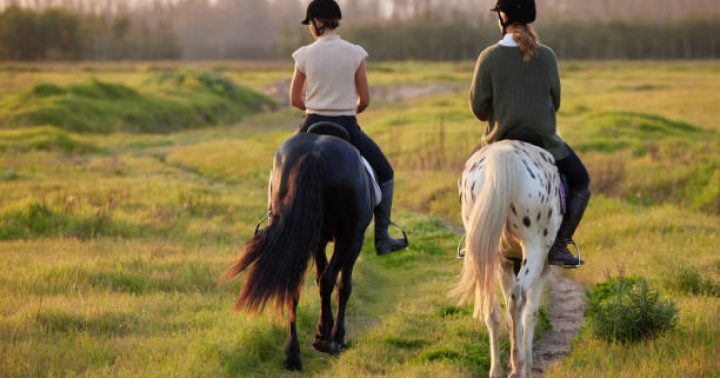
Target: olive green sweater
509,92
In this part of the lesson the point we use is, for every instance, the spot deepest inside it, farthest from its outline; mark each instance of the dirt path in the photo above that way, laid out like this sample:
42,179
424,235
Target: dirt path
567,311
566,315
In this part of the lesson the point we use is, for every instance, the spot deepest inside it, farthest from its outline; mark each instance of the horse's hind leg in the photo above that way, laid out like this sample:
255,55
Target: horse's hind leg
529,320
345,290
292,348
325,323
528,279
492,320
326,280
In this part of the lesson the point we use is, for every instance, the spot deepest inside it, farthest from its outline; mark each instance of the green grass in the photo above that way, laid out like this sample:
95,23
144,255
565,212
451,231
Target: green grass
111,244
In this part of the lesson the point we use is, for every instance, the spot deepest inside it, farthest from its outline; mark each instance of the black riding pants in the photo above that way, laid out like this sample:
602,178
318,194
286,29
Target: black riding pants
572,167
367,147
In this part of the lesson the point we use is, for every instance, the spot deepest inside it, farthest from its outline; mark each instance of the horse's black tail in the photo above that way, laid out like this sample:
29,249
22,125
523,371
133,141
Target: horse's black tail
277,257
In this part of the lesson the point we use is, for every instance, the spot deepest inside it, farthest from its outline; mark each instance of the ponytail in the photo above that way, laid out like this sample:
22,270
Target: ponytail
527,40
327,24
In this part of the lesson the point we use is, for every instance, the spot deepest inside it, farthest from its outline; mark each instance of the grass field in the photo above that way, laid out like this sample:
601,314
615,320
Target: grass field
112,239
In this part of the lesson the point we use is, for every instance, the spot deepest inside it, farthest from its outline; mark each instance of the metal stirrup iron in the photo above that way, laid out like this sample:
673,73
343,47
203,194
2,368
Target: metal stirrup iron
407,242
266,217
461,252
577,249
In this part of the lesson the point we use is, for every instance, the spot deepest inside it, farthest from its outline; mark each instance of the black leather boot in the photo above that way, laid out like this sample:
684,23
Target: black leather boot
384,244
559,253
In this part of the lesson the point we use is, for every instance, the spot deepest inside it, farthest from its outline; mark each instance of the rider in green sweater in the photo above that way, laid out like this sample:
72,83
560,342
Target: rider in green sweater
516,89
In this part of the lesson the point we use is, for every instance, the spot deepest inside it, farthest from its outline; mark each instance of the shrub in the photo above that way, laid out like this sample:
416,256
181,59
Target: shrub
628,310
689,281
8,175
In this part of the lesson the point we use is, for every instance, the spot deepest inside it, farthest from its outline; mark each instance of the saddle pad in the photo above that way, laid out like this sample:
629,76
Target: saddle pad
373,179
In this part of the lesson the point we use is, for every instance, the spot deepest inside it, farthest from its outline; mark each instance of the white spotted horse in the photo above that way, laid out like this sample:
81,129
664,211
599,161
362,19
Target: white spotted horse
511,198
320,192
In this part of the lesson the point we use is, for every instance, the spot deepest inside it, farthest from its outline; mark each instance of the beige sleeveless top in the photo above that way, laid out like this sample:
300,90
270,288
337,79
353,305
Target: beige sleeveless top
330,64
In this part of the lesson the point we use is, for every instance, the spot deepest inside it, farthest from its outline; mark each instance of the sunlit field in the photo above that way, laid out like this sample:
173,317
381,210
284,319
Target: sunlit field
126,190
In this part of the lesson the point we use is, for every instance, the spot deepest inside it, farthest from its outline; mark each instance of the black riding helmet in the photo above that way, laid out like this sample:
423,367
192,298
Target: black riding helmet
517,12
322,10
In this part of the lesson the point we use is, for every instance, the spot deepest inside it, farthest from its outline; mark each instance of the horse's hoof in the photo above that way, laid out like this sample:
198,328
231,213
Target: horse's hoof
293,364
326,346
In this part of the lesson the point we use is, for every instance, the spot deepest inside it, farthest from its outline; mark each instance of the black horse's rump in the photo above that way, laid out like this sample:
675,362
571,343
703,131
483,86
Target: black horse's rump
320,192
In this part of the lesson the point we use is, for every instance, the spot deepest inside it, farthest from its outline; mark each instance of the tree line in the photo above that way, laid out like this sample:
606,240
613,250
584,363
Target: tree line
570,40
401,29
61,34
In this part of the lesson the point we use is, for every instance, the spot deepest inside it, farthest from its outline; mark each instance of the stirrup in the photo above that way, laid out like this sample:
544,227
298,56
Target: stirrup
404,234
577,249
266,217
460,251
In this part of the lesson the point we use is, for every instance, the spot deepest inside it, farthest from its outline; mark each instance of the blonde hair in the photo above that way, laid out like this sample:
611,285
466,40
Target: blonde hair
527,39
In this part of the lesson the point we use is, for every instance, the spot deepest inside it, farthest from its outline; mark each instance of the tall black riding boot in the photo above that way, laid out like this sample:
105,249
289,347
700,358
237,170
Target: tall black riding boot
384,244
559,253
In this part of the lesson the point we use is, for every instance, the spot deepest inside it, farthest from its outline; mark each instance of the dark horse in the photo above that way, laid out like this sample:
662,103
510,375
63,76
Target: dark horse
320,192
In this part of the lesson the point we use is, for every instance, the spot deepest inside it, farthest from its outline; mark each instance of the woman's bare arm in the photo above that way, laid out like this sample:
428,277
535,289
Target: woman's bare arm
297,94
363,89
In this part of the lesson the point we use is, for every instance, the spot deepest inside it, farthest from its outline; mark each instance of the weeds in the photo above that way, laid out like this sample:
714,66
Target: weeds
8,175
37,219
688,280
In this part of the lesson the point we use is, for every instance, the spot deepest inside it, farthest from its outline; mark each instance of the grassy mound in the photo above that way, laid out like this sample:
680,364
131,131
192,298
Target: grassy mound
45,138
649,159
614,131
169,102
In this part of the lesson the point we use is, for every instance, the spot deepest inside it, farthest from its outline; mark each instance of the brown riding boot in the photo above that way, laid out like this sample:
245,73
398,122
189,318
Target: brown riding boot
559,253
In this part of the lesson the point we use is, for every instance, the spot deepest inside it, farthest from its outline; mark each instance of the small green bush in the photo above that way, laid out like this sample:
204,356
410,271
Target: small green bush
48,90
628,310
8,175
688,280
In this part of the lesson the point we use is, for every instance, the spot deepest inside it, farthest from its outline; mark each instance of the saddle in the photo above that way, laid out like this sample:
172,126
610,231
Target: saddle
335,130
329,128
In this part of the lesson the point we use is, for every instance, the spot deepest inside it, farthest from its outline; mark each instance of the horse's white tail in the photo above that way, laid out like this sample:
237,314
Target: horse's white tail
487,223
